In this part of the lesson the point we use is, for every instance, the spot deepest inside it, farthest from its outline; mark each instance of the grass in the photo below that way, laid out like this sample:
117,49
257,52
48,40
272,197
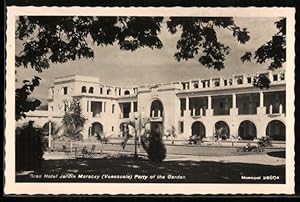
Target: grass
189,170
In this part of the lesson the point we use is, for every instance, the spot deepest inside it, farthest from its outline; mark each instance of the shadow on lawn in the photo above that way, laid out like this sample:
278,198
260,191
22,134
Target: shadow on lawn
279,154
191,171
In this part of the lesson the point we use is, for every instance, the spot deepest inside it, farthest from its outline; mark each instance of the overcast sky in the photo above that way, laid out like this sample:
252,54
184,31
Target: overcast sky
144,66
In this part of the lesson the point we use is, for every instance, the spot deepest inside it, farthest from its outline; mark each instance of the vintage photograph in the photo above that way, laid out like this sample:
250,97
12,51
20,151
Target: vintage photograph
192,97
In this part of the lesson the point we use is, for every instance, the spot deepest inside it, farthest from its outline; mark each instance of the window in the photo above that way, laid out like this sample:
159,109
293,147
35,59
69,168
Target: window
65,89
51,108
275,78
126,92
83,89
249,79
91,90
181,125
101,90
217,83
113,108
135,107
112,129
108,91
240,81
225,82
196,85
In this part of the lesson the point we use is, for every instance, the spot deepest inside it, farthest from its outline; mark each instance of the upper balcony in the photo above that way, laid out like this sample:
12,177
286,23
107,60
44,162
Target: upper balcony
236,81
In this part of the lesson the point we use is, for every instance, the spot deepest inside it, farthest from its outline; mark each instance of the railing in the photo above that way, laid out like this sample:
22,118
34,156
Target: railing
236,80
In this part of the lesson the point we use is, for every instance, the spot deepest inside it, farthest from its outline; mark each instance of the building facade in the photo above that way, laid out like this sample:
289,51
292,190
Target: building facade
200,107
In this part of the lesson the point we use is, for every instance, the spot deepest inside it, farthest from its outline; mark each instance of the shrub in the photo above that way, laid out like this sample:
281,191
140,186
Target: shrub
195,139
29,147
157,150
264,141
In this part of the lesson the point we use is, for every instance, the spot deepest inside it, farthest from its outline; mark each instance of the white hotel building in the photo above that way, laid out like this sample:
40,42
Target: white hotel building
194,107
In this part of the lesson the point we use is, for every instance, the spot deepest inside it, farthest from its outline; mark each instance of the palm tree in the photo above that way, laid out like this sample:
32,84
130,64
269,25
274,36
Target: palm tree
140,127
171,133
56,131
73,122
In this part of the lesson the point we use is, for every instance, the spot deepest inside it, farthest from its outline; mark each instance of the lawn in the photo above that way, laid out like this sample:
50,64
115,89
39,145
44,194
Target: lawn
116,168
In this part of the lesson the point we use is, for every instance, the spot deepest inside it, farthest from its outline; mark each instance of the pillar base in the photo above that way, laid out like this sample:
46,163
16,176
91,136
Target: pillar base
187,113
261,110
209,112
234,111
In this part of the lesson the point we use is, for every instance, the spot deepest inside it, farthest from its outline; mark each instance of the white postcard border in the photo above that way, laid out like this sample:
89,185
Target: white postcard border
11,187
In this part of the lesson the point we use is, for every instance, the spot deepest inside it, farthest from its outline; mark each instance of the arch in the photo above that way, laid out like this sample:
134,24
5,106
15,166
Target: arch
97,129
247,130
222,128
198,129
126,92
276,130
124,128
91,90
157,107
83,89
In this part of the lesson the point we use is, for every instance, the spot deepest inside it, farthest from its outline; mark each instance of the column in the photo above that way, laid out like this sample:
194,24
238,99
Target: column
209,111
271,109
131,107
280,109
187,110
261,109
209,102
233,101
233,110
187,103
261,99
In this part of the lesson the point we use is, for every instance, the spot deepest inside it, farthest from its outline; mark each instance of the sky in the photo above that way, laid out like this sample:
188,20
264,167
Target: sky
148,66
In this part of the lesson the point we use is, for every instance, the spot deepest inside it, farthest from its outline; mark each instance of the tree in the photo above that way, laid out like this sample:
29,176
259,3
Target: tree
140,127
58,39
273,50
157,150
73,121
29,147
200,37
171,133
24,103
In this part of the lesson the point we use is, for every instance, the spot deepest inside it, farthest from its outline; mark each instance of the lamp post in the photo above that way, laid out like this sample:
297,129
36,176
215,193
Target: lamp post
135,135
49,136
49,130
